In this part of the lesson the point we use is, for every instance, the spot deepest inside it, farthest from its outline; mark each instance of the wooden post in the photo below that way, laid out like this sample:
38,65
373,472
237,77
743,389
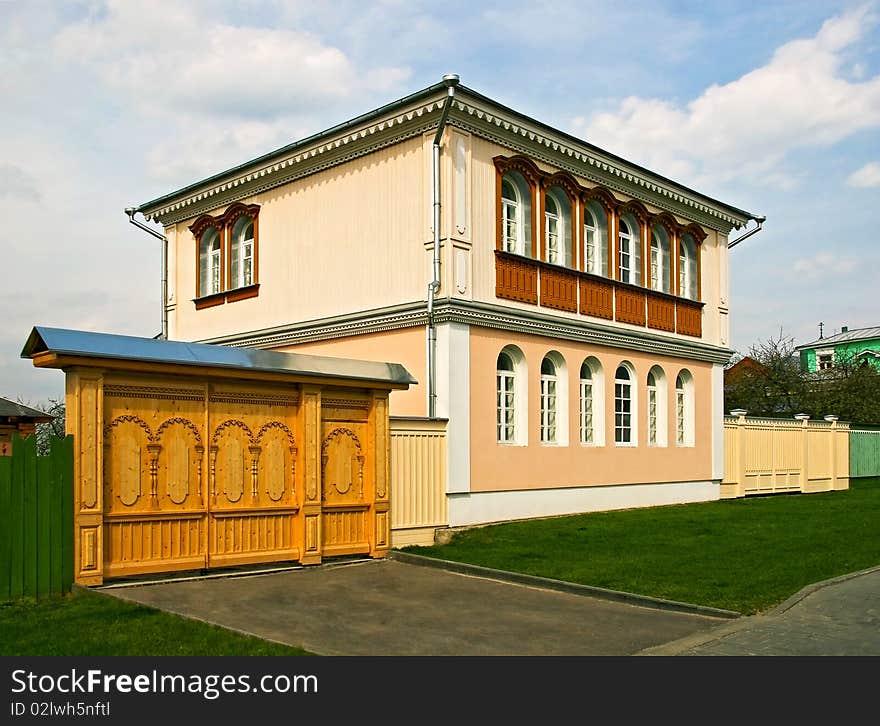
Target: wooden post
310,409
805,450
833,444
380,541
85,420
740,450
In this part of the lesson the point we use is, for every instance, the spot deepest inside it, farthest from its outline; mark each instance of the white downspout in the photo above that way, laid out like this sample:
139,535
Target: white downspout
131,211
451,80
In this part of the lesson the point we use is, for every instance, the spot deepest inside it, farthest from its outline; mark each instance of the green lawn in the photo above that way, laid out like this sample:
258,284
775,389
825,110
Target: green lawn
91,623
744,554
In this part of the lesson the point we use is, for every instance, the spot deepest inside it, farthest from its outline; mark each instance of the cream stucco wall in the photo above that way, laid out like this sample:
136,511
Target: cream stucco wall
405,346
500,467
346,239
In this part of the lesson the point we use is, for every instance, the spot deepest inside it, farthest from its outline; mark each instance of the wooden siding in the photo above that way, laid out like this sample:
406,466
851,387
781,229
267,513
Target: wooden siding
559,288
661,311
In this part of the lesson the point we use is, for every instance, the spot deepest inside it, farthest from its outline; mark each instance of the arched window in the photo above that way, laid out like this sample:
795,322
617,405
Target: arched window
595,240
242,262
684,409
549,402
554,400
557,227
660,259
516,214
506,399
687,268
629,251
592,408
656,390
624,406
510,387
209,262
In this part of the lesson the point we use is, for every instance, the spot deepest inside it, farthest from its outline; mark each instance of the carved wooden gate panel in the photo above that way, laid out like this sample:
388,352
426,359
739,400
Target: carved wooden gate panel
154,496
347,483
253,455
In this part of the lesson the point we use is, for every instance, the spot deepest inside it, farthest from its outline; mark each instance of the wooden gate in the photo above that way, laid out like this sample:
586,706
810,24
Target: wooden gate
191,486
237,458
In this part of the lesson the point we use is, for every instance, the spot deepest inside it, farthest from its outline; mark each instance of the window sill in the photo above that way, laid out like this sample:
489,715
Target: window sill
219,298
626,445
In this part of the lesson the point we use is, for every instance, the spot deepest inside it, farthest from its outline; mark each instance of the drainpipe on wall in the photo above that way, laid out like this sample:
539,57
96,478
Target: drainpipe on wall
131,211
451,80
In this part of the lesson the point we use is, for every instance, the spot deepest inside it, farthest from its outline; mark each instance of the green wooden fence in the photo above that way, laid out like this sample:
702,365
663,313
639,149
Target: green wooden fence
864,453
36,520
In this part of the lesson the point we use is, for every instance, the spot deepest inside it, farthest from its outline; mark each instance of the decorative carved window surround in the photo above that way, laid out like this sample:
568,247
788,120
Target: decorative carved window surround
522,278
224,224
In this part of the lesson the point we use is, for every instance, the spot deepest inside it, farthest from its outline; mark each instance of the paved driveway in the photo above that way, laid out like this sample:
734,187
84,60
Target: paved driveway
386,607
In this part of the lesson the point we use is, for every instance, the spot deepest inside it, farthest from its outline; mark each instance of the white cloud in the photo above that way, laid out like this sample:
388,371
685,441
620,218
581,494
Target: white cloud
746,128
823,265
211,67
867,176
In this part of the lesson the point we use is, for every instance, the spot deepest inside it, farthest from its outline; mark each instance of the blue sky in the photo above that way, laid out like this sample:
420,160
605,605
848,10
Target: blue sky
772,108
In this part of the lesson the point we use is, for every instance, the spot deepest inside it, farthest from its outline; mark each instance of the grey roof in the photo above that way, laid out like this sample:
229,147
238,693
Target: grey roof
11,409
126,347
850,336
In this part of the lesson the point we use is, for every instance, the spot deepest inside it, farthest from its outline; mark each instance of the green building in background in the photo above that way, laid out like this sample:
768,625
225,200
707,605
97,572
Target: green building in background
860,344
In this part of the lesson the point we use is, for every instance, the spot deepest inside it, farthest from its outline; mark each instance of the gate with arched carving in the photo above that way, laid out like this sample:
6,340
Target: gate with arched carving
180,467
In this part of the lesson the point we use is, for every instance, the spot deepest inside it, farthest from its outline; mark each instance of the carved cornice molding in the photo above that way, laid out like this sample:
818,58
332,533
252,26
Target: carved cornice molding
487,315
299,163
470,114
591,165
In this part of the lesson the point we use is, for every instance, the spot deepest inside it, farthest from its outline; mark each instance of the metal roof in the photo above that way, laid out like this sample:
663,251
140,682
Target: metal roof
126,347
11,409
850,336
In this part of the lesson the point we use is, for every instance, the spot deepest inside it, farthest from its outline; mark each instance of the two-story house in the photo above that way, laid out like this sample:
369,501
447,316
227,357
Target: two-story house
566,310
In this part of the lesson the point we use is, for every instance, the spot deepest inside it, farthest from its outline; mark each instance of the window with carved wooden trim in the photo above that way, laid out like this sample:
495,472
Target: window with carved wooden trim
227,255
242,253
516,214
687,268
210,255
660,259
557,227
595,240
629,251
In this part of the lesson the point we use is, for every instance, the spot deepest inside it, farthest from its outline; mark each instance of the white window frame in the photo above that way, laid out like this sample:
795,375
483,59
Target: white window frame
687,287
656,407
549,406
595,253
505,390
519,406
828,352
632,398
511,212
554,229
625,239
594,408
684,409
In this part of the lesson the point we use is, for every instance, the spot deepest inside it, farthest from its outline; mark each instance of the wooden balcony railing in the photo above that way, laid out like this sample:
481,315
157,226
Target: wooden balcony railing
597,297
661,311
520,278
689,317
629,304
559,288
516,278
